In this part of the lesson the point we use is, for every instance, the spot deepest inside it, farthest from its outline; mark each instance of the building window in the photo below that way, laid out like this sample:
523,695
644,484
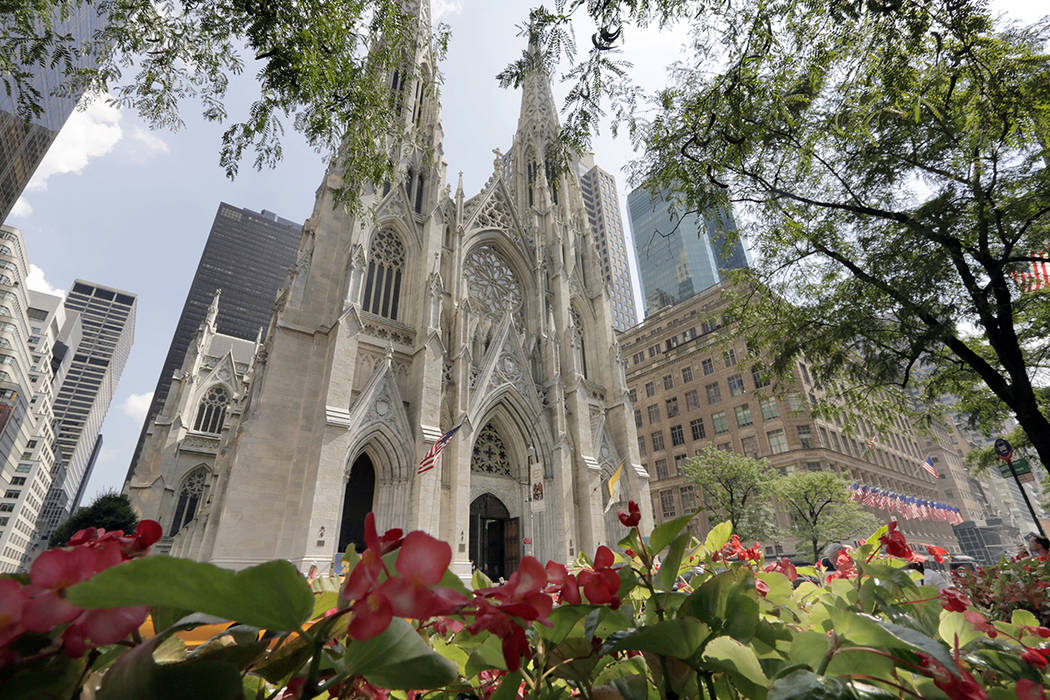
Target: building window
633,394
668,382
749,446
650,389
812,466
805,436
697,427
688,496
777,441
743,415
654,413
769,409
12,493
661,469
641,445
736,385
657,439
730,357
687,375
804,372
489,454
679,463
720,422
677,438
211,412
18,481
835,441
671,405
383,281
692,400
708,366
824,442
667,503
714,393
190,496
638,419
759,376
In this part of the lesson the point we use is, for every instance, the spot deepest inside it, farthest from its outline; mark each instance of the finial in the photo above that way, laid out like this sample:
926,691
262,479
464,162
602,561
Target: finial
497,164
459,187
390,352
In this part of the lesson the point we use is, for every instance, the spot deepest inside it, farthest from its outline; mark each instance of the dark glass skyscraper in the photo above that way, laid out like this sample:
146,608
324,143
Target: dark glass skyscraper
247,256
680,256
22,144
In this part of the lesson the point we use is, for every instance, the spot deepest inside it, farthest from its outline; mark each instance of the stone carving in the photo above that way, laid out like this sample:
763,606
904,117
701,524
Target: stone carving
494,215
385,332
492,284
490,454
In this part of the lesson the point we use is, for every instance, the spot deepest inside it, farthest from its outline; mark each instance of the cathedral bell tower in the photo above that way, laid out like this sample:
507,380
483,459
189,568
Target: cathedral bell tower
425,313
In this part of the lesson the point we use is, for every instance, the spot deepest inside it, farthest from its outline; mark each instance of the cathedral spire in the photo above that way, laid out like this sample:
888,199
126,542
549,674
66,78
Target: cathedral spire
538,115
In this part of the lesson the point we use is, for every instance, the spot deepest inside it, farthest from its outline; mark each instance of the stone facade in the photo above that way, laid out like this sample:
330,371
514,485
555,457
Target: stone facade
426,312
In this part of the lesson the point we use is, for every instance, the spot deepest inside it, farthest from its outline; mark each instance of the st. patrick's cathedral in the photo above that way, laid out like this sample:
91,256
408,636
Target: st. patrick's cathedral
429,311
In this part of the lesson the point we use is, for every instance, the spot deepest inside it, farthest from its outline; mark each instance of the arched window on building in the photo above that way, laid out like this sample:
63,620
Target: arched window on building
581,350
397,90
190,495
419,193
386,261
552,179
531,171
211,411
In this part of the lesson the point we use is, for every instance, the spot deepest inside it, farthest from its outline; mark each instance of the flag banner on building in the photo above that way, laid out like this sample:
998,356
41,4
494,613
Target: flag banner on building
614,487
906,507
538,502
1038,278
927,466
431,457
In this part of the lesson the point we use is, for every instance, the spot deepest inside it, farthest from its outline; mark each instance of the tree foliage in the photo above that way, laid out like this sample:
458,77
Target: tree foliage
322,68
735,488
110,511
890,159
820,509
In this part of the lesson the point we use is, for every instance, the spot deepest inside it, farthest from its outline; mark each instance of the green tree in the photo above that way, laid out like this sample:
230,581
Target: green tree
820,510
891,159
323,68
111,511
735,488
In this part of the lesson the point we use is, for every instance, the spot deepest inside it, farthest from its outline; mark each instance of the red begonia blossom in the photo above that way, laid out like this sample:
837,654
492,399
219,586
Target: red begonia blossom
784,566
12,604
957,686
1035,657
979,623
602,585
562,584
1029,690
937,553
896,545
954,601
633,515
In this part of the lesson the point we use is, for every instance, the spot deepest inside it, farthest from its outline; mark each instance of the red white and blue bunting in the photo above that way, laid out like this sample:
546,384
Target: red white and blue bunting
906,507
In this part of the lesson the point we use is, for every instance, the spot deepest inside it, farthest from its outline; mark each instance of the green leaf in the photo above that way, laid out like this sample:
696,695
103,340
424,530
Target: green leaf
806,685
668,573
488,654
1024,617
323,602
480,580
632,687
664,533
677,638
53,678
730,655
399,659
271,595
563,619
718,536
954,624
865,630
508,688
808,647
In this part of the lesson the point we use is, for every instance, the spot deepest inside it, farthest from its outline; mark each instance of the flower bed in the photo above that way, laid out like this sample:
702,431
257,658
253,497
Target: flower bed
711,619
1014,584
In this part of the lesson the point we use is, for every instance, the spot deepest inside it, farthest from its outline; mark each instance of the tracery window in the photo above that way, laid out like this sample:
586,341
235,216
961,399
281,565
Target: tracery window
490,454
190,496
211,411
581,351
491,282
386,263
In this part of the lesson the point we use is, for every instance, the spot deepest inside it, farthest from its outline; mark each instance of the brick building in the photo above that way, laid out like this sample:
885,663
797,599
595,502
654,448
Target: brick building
691,387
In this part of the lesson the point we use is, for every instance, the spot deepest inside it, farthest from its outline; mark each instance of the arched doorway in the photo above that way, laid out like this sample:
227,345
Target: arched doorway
357,502
495,537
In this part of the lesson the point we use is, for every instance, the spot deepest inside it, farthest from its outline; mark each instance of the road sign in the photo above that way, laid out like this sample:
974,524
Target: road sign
1021,467
1003,449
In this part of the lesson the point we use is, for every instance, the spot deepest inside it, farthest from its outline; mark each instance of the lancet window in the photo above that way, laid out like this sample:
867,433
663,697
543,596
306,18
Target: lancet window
492,284
490,454
386,263
211,411
577,338
190,496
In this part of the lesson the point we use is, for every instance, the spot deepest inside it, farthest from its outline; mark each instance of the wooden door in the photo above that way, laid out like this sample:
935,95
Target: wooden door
511,545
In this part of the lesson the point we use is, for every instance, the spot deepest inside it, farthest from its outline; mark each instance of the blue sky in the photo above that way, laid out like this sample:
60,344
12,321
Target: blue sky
117,204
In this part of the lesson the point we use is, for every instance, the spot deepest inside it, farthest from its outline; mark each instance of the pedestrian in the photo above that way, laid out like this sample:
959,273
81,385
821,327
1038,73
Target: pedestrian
1039,547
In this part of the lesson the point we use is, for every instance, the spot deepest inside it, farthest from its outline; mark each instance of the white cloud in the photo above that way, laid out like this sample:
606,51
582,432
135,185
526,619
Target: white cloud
36,281
136,405
150,143
442,9
21,208
88,133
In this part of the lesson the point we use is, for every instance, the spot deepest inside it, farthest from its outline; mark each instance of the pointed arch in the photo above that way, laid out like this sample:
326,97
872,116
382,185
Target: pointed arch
358,499
519,426
383,276
211,409
189,497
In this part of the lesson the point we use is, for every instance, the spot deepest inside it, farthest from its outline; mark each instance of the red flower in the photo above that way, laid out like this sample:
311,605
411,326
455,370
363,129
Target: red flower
602,586
12,604
979,623
937,553
957,687
390,540
1035,657
896,545
954,601
562,583
1029,690
761,586
519,597
784,566
633,515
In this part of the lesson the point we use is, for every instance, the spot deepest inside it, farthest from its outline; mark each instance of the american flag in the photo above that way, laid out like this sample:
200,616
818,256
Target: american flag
928,467
431,457
1039,277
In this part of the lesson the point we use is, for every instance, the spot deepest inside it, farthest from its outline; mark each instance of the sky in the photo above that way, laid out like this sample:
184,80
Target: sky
120,205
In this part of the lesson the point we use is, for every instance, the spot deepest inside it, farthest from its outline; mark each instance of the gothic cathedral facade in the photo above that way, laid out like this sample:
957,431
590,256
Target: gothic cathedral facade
427,312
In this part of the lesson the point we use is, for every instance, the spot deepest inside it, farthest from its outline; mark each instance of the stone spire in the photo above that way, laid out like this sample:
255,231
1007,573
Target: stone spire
211,320
539,115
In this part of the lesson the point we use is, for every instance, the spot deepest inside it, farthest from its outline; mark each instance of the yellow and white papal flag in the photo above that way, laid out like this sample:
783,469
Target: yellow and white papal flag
614,487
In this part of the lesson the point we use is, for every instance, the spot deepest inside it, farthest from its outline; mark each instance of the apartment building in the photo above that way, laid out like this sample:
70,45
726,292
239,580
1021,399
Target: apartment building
692,385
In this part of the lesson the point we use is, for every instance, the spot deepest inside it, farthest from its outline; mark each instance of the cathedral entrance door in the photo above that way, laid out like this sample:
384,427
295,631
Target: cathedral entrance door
495,537
357,502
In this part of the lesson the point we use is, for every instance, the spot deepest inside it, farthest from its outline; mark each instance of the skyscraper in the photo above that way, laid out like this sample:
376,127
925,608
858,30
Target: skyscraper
107,319
680,255
247,256
602,204
23,144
